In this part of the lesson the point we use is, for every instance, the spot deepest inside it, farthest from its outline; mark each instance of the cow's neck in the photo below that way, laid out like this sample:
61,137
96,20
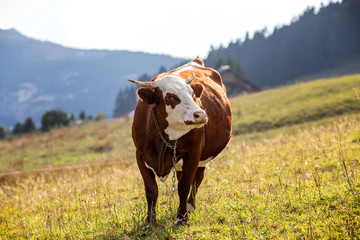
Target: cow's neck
159,126
172,134
175,134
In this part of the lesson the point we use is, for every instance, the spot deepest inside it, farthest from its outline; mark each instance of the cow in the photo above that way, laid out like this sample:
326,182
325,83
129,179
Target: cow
182,120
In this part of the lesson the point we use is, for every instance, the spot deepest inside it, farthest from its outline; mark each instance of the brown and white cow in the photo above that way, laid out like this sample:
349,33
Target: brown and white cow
189,105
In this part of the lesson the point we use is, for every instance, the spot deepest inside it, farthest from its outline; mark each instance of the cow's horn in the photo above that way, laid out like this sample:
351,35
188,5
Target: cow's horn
143,84
189,80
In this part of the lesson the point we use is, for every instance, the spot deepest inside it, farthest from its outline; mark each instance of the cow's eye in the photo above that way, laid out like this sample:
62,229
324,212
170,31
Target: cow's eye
172,99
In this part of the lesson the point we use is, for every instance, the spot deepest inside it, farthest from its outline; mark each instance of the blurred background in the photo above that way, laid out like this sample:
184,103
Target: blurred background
76,57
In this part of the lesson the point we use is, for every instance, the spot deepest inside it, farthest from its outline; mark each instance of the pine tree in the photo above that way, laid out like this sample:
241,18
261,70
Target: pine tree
28,125
235,65
125,101
162,69
18,129
82,115
2,132
220,62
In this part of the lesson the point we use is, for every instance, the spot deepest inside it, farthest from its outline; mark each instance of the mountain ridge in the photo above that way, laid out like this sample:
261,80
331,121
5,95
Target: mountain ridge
36,76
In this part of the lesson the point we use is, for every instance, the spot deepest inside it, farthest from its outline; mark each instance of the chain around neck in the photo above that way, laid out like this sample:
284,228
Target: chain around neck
168,144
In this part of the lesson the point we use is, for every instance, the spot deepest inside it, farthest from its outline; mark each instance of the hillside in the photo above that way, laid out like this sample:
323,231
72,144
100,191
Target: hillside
346,67
253,115
298,181
36,76
296,104
315,42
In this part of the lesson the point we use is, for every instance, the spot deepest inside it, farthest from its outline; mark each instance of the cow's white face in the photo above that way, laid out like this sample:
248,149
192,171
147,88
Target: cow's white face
183,114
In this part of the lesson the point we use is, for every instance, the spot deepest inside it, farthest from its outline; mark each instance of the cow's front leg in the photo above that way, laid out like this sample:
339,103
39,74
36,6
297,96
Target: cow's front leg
199,176
185,181
151,189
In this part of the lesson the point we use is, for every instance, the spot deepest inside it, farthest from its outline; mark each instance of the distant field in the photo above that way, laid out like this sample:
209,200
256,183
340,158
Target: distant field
293,179
256,113
84,144
299,103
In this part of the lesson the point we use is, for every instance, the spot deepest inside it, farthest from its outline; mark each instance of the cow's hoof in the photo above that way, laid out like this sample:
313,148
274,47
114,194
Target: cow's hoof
146,227
151,221
181,222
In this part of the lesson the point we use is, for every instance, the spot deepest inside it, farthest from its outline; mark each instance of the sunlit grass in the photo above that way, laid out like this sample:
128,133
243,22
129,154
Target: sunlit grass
92,142
296,104
292,182
302,185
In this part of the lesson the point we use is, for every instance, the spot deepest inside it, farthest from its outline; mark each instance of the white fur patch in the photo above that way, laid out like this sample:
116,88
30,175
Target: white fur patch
182,112
203,163
189,66
163,179
179,165
177,221
175,134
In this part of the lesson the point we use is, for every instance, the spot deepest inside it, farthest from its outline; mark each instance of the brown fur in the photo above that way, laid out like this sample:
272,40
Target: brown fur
197,145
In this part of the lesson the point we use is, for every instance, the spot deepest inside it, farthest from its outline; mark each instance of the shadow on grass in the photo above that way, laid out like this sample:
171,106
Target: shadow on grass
165,229
135,225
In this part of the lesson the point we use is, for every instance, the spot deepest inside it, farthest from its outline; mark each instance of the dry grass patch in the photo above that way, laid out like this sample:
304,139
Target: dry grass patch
300,185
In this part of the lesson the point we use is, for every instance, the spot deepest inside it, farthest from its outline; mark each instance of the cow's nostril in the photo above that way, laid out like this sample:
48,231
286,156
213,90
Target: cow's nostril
200,117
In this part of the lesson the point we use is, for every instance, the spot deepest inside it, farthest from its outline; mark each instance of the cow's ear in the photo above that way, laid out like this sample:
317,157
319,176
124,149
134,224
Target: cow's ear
198,88
147,95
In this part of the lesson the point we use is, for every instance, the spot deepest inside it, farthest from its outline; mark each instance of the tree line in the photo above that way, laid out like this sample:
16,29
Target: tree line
50,119
311,43
126,99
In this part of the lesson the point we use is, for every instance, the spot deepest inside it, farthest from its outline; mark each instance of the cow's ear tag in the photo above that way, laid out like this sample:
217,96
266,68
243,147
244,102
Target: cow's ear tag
197,88
146,95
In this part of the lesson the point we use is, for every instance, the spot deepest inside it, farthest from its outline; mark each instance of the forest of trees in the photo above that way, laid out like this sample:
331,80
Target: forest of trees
313,42
126,99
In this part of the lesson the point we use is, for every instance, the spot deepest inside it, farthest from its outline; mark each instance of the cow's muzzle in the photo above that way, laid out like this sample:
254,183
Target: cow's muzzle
199,117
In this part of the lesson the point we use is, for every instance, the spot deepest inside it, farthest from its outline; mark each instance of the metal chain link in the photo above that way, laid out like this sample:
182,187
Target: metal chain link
173,147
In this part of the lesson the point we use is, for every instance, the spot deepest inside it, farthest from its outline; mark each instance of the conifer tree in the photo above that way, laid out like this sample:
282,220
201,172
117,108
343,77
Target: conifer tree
2,132
28,125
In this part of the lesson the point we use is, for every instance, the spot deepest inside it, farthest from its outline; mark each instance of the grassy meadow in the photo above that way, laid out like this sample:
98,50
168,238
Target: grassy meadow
291,171
91,143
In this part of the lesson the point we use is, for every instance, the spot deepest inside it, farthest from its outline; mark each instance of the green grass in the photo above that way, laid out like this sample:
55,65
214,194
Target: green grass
295,182
84,144
296,104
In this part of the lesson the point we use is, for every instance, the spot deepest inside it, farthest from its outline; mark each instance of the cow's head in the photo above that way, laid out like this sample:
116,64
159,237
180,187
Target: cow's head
178,96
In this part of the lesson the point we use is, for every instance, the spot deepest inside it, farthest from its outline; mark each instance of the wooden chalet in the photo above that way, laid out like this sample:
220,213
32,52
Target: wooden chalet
235,83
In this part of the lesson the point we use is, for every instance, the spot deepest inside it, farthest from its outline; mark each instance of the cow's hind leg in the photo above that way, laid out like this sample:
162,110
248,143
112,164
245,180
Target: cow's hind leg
151,189
199,176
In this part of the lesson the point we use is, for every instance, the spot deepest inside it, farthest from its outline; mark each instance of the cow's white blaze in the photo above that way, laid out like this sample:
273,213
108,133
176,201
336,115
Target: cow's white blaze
184,111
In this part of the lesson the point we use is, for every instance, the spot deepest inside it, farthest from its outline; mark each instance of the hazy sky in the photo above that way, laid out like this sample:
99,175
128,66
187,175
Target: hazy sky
185,28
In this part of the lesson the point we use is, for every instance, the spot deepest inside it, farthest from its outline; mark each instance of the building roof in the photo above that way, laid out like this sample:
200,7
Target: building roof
235,82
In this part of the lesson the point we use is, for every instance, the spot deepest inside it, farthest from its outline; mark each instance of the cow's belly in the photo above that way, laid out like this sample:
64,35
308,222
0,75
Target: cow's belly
180,163
203,163
162,178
